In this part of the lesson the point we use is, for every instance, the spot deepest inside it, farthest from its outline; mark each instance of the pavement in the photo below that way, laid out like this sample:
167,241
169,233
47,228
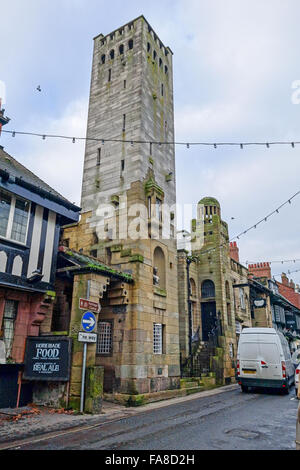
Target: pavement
17,424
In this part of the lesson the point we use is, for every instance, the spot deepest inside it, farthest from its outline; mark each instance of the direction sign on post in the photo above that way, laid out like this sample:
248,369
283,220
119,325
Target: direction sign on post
88,321
84,337
85,304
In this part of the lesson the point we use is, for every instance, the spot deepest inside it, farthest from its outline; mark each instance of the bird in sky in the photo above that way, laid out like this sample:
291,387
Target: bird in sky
39,88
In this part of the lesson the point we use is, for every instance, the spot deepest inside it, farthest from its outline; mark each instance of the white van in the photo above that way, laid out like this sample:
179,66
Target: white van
264,360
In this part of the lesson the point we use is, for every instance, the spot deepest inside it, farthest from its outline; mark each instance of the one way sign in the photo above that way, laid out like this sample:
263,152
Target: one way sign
88,321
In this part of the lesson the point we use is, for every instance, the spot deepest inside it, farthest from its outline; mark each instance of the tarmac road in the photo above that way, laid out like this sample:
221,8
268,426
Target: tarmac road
231,420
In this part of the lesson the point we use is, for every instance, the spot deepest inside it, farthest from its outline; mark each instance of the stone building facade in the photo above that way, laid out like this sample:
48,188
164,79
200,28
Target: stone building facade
218,285
128,203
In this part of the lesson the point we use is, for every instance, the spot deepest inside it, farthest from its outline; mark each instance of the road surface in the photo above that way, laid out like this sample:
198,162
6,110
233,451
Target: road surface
231,420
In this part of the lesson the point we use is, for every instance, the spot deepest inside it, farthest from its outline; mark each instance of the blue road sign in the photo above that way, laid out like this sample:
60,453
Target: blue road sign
88,321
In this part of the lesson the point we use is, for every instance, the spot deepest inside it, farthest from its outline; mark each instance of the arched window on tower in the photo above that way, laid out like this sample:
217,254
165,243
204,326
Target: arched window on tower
227,290
112,54
193,287
208,289
159,268
121,49
103,59
130,44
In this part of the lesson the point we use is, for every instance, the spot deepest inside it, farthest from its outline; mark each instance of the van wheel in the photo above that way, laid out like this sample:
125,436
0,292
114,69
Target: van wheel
244,388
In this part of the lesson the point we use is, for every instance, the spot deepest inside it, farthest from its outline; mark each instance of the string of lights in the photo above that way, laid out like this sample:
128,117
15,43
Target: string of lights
188,145
288,272
264,219
274,261
152,142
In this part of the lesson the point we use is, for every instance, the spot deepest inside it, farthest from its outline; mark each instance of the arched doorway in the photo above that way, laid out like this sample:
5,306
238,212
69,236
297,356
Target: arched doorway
208,309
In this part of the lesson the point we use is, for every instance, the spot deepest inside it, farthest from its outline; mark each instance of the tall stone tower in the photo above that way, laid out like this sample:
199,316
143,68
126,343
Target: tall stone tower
128,202
212,294
131,99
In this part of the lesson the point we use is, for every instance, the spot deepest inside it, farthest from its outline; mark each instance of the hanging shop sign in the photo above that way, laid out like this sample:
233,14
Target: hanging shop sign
290,321
259,303
48,358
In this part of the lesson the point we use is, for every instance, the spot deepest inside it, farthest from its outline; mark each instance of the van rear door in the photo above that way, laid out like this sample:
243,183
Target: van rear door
260,357
248,356
270,362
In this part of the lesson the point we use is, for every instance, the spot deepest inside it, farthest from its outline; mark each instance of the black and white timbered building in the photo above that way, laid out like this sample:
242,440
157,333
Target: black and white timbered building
31,217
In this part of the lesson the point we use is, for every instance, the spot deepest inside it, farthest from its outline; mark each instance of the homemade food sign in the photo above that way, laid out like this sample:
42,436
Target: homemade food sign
47,358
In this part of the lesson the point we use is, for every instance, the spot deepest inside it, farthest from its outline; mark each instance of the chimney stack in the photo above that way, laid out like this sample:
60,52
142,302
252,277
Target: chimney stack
260,270
234,251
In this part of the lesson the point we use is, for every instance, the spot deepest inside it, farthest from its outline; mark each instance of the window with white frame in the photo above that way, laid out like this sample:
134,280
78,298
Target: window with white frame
157,338
104,338
242,298
8,325
14,217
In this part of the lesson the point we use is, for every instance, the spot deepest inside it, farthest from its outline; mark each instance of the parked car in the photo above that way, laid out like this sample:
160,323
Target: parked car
264,360
297,379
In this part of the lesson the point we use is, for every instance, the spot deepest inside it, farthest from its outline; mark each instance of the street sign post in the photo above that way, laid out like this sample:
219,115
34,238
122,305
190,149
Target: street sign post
88,323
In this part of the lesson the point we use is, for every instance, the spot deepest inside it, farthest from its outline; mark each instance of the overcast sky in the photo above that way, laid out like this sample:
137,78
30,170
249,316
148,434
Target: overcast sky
234,65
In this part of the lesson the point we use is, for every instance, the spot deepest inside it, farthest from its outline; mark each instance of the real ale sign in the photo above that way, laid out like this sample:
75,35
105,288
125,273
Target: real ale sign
85,304
47,358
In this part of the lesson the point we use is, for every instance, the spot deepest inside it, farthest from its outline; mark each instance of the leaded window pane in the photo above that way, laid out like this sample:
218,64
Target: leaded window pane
8,324
20,221
157,338
5,204
208,289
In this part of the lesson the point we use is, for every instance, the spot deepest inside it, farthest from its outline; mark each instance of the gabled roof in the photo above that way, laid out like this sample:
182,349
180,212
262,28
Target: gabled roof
16,178
19,171
79,263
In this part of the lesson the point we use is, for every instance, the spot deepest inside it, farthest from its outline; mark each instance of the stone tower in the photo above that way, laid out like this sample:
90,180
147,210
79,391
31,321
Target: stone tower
215,281
128,203
131,99
211,281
